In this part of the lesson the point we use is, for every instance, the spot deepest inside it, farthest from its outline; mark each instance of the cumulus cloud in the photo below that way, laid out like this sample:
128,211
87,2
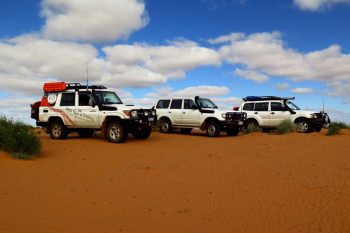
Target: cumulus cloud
92,21
267,53
282,86
302,90
251,75
316,5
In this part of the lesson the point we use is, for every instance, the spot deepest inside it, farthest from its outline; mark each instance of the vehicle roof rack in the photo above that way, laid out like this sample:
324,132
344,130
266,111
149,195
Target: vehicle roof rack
78,86
256,98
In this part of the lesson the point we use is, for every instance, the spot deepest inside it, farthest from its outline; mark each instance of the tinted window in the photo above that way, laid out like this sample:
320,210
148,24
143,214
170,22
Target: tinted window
189,104
248,106
262,106
68,99
176,104
163,104
276,106
84,99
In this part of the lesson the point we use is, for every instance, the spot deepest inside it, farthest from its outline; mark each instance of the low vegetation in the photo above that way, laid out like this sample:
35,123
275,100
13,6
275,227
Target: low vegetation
19,139
252,129
286,126
335,127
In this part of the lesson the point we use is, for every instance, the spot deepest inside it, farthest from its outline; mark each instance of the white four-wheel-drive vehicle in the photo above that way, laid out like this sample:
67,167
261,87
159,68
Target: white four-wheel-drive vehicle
270,111
200,113
72,107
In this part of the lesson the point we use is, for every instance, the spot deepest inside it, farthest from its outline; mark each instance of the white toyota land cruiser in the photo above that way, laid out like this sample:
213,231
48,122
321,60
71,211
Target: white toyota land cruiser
270,111
71,107
188,113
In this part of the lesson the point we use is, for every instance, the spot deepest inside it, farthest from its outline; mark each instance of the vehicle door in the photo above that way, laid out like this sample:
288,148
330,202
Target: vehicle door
261,112
175,111
66,108
278,113
87,112
190,113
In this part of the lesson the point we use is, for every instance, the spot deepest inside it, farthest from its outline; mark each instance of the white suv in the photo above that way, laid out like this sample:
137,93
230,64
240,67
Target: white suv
71,107
200,113
270,111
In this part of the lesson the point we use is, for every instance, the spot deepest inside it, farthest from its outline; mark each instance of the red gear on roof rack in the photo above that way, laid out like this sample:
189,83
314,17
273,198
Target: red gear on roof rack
54,87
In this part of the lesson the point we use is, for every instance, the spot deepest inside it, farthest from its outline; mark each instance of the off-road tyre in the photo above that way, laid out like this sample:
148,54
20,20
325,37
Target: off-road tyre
303,126
213,129
116,132
165,126
58,130
232,131
86,133
144,133
185,130
251,123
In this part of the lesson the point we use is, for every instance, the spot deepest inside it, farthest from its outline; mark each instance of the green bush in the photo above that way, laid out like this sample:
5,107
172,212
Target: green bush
335,127
252,129
286,126
18,139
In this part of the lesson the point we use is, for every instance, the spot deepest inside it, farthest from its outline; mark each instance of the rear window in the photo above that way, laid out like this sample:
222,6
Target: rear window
248,107
176,104
262,106
68,99
163,104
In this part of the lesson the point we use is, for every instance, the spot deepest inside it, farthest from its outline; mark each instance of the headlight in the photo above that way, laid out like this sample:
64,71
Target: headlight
223,115
134,114
146,113
314,115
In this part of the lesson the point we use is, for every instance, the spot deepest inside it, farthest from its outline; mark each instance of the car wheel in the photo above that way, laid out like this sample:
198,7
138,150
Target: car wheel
186,130
86,133
232,132
58,130
143,133
303,126
116,132
250,124
213,129
165,126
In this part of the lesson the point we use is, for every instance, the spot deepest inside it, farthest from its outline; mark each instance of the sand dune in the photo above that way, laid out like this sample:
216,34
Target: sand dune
180,183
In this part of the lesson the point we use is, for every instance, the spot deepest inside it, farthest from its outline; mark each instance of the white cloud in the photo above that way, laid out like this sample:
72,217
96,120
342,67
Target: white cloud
92,21
267,53
302,90
171,61
282,86
316,5
251,75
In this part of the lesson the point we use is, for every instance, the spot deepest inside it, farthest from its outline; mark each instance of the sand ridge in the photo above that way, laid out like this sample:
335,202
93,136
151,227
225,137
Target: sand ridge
180,183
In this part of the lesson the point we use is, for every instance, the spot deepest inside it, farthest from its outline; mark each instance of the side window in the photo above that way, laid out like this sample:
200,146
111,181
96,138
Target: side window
276,106
248,107
163,104
85,99
176,104
68,99
188,104
262,106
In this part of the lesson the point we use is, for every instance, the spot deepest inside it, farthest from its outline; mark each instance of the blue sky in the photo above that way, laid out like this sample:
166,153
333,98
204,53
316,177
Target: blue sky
223,49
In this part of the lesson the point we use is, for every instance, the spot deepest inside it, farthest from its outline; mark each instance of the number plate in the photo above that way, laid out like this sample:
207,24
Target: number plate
150,118
240,122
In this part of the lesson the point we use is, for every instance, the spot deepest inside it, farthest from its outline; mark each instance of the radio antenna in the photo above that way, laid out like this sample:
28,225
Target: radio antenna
323,106
87,75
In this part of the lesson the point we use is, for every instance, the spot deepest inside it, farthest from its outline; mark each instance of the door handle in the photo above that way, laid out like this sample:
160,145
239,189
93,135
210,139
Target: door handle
255,112
272,113
92,110
169,112
184,112
45,110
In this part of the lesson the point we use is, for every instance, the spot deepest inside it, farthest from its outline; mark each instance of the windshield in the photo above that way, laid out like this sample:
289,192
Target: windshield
206,103
292,106
108,97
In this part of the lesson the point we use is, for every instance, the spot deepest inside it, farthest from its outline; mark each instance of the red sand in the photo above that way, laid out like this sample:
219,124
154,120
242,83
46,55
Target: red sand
180,183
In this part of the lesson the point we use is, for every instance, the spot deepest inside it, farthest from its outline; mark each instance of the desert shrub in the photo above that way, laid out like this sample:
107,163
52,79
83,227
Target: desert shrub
286,126
252,129
335,127
18,139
